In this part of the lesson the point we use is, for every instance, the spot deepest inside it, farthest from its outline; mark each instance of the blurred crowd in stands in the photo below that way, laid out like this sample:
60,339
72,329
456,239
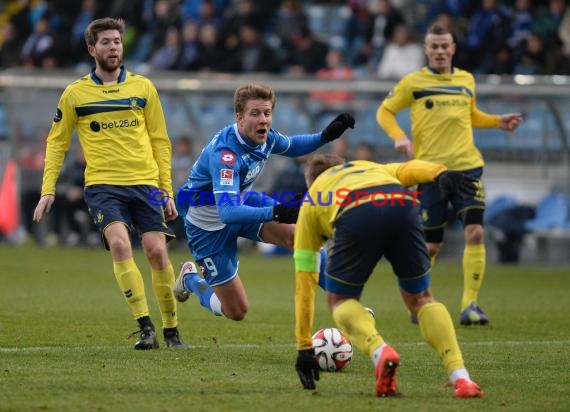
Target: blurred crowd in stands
330,38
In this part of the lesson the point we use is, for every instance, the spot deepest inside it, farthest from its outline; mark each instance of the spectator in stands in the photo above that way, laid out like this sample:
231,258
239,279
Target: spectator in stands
521,24
438,134
291,18
251,54
382,21
10,46
86,15
307,54
21,21
403,54
189,48
41,49
208,14
167,56
211,52
192,9
155,29
336,69
488,31
244,12
548,21
533,57
356,30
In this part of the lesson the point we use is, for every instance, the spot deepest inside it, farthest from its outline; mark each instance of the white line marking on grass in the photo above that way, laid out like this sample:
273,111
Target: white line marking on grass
266,345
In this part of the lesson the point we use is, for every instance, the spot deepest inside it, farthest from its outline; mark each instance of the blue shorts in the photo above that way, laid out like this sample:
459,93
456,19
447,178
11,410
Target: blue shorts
365,233
215,251
127,204
434,208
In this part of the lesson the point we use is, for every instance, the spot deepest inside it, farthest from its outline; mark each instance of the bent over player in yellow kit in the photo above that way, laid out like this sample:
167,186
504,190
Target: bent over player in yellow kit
122,131
365,212
443,112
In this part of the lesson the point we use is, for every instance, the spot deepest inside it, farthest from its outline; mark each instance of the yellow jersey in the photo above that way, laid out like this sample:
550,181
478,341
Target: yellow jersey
443,113
320,209
121,129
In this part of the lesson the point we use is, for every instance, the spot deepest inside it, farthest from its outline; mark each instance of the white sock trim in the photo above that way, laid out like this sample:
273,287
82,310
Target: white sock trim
216,305
459,374
377,354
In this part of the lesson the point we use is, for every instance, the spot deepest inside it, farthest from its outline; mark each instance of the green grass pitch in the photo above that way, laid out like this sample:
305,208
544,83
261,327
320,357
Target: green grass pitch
64,347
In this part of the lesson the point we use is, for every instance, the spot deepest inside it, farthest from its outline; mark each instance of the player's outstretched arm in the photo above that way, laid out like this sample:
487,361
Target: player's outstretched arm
307,368
510,121
337,127
44,206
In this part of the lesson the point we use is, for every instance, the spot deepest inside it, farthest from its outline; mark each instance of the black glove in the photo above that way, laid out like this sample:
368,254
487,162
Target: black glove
307,368
286,213
336,128
456,182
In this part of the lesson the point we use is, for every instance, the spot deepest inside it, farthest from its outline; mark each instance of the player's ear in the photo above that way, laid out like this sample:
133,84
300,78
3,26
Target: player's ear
91,50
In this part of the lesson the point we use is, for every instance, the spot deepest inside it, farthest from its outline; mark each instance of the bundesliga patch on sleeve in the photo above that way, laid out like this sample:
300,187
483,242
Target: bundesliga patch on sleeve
226,177
228,158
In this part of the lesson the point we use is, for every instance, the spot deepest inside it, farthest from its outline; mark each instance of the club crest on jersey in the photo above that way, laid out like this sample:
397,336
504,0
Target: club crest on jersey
228,158
226,177
134,103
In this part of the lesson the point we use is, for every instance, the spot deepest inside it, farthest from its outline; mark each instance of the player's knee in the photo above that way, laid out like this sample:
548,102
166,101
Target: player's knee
236,308
236,313
474,234
119,246
156,254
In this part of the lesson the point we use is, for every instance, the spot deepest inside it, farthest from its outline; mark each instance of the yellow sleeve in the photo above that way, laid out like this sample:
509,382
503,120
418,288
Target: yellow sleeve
415,171
387,121
58,141
305,287
484,120
159,140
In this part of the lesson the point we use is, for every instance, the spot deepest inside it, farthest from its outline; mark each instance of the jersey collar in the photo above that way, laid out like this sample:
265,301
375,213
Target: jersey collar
245,143
438,73
120,79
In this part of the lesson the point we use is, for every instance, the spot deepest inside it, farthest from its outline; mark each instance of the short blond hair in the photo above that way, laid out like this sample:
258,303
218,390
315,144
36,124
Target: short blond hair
248,92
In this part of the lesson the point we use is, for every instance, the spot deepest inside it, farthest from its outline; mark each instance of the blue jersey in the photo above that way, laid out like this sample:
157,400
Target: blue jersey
216,192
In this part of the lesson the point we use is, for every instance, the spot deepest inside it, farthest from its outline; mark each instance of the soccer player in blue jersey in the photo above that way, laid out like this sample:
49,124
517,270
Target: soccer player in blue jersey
122,131
218,206
443,112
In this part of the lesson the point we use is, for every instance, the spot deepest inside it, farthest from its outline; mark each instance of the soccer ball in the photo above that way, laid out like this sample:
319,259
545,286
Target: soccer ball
333,350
